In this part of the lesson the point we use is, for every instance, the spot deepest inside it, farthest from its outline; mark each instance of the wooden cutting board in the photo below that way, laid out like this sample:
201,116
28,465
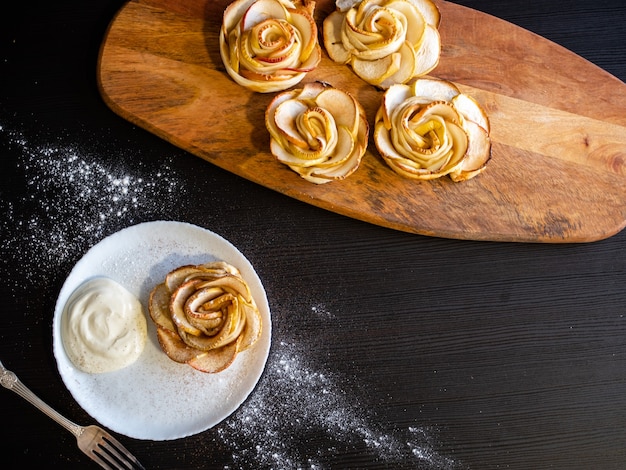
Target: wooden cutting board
558,168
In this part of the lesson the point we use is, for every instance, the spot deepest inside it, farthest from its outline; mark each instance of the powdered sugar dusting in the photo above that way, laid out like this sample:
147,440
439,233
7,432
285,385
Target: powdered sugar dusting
322,311
295,403
301,414
91,198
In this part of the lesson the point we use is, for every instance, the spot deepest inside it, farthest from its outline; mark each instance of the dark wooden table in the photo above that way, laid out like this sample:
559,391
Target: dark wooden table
389,350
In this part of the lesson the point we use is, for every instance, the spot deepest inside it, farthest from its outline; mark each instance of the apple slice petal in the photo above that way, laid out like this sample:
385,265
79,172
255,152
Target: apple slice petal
233,14
414,17
427,56
262,10
376,71
159,307
350,164
341,105
343,149
218,268
393,97
438,108
342,170
384,144
176,277
174,347
429,11
231,283
311,61
471,110
307,26
478,153
287,156
253,327
216,360
434,89
285,117
406,71
331,32
270,112
177,307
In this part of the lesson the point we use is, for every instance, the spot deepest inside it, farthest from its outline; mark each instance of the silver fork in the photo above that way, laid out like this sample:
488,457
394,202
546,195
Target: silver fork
94,441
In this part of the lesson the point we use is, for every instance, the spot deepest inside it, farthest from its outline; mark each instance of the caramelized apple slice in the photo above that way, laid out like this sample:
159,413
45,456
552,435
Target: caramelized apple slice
253,328
432,89
427,55
174,347
159,307
407,68
333,24
429,11
471,110
478,153
175,278
260,11
215,360
343,107
177,307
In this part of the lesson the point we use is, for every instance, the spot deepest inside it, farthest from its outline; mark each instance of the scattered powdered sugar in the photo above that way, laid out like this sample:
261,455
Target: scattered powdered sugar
74,200
322,311
295,403
300,415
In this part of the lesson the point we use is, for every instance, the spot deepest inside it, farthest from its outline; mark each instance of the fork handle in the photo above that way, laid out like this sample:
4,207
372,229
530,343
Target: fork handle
9,380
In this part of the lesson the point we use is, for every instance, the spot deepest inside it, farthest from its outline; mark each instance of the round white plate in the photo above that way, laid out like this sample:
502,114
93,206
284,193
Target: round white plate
156,398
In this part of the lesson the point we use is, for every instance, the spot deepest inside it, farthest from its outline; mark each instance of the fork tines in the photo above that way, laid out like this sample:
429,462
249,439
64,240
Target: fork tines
113,455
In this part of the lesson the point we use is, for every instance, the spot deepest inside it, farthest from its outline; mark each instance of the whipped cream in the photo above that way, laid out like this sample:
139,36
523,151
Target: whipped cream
103,326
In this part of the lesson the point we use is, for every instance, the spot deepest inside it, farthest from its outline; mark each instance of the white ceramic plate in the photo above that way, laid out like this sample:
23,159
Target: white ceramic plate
156,398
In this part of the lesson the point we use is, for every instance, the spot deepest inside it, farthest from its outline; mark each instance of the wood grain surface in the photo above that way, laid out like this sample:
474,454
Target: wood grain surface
558,170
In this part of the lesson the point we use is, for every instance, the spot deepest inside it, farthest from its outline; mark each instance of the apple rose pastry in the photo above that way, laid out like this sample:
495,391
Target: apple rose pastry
430,129
205,315
269,45
318,131
384,41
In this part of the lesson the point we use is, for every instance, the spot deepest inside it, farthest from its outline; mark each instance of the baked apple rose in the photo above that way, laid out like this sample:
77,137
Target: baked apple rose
205,315
269,45
384,41
318,131
430,129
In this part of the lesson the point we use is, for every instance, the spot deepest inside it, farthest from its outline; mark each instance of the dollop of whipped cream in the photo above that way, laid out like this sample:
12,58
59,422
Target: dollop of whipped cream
103,326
